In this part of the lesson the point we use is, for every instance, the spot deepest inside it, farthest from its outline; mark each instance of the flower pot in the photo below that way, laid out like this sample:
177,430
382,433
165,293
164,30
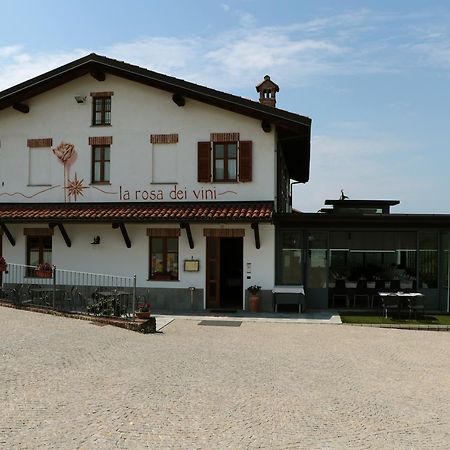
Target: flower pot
38,273
143,314
254,303
3,268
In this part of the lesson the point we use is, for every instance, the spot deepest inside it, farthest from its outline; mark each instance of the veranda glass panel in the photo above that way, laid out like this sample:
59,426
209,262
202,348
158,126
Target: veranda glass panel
291,258
428,260
317,260
373,256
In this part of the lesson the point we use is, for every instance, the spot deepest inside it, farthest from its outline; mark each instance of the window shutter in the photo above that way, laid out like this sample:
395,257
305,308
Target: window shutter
204,162
245,161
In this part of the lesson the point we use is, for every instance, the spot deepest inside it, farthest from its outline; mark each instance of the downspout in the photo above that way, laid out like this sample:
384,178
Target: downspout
290,192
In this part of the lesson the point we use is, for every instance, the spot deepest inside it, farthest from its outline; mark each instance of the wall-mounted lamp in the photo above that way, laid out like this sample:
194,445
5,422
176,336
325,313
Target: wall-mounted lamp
96,240
80,98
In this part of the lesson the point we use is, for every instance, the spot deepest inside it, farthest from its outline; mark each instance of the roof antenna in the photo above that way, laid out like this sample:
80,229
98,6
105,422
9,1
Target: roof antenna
343,196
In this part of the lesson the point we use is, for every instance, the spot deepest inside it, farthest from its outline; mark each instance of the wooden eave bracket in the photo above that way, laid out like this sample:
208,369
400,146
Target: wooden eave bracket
187,227
63,232
178,99
124,232
21,107
265,125
8,234
99,75
255,227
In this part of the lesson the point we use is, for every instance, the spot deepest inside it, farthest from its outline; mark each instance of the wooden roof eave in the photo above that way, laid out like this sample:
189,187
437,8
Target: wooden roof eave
92,62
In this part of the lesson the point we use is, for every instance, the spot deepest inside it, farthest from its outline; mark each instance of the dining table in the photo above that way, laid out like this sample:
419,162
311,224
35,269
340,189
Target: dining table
402,299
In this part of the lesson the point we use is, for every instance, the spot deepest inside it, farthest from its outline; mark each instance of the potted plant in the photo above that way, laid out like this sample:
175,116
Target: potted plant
254,299
3,265
43,270
143,311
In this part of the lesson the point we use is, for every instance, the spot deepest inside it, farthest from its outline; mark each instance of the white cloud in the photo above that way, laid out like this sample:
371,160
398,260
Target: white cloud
239,57
246,19
10,51
20,65
166,55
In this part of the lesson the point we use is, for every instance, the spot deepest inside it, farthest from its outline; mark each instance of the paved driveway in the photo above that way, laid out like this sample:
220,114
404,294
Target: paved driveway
69,384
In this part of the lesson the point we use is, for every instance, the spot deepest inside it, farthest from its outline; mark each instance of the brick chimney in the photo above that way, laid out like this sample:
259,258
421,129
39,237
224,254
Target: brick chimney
267,92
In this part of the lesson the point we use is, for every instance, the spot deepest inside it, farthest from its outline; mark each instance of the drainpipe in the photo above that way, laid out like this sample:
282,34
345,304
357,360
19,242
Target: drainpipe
192,289
290,191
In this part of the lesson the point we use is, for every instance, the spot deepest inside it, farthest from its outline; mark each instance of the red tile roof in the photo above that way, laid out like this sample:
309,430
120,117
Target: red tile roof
138,212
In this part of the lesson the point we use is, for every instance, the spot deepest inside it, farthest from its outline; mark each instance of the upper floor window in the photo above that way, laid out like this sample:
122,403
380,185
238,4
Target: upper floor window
101,108
101,161
227,161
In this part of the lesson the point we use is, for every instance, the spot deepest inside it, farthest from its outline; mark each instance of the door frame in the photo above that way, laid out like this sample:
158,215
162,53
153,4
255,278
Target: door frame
213,265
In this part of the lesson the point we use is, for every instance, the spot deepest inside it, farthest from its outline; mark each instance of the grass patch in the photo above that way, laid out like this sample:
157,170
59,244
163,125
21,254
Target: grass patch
373,318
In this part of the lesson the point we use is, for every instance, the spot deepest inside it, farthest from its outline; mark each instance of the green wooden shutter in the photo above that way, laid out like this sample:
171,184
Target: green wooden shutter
245,161
203,162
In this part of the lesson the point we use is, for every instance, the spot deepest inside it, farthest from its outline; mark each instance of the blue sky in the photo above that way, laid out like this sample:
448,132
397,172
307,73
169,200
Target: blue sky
374,76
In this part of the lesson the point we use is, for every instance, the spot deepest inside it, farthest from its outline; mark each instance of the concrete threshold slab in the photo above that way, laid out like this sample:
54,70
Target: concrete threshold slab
314,317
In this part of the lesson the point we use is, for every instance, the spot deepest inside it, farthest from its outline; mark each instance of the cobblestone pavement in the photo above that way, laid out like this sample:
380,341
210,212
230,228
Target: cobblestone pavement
69,384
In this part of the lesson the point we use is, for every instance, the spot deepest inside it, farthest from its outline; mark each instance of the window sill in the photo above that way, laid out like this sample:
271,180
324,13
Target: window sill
100,183
161,279
101,125
38,185
225,181
163,183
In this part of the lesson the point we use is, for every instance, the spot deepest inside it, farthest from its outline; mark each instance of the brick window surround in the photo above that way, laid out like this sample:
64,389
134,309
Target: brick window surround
39,143
224,232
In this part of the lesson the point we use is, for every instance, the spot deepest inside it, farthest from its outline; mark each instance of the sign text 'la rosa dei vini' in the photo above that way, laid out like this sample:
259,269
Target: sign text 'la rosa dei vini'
173,193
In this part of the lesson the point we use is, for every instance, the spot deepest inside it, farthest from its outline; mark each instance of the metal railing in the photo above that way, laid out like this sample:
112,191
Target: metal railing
69,290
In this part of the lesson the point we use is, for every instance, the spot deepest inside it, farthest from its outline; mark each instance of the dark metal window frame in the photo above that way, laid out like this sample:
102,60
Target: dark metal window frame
225,159
101,105
43,243
103,160
158,276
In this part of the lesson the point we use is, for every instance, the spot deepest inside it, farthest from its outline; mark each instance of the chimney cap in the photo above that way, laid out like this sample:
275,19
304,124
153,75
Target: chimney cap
267,83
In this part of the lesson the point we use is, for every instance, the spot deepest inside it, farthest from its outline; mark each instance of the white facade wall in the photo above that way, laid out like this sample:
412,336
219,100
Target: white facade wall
137,112
112,257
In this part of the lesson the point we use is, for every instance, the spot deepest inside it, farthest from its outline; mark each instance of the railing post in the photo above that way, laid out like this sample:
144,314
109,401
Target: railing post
134,297
54,285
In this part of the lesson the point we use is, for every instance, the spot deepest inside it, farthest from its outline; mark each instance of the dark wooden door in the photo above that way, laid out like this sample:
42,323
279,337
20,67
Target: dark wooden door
1,254
212,272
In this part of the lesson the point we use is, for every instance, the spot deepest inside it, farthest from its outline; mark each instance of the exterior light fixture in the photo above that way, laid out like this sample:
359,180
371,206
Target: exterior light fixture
80,98
96,240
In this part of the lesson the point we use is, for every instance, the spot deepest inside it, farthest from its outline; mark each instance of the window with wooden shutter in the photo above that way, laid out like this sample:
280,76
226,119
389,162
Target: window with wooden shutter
245,161
220,164
204,162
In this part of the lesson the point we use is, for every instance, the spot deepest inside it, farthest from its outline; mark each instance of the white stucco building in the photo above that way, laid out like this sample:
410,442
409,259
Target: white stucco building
108,167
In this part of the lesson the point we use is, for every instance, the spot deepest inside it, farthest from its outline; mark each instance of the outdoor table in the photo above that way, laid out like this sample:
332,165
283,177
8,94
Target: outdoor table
114,295
289,295
44,292
401,297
